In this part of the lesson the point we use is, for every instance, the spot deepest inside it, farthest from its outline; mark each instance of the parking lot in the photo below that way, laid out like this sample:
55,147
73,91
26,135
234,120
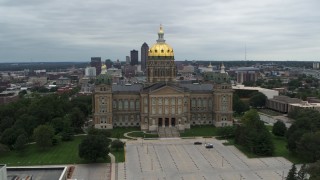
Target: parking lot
181,159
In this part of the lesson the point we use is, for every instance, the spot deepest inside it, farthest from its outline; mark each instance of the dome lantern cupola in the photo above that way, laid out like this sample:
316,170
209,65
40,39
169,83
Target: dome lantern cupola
160,35
161,50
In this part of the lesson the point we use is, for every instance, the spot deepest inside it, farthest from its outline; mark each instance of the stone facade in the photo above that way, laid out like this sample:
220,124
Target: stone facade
162,105
162,101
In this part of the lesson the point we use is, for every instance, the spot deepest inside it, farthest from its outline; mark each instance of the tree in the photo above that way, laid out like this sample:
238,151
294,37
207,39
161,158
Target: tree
22,93
43,135
258,99
305,121
279,128
292,174
10,135
309,146
77,119
227,131
102,132
21,142
4,148
254,135
302,173
94,147
314,170
239,106
117,144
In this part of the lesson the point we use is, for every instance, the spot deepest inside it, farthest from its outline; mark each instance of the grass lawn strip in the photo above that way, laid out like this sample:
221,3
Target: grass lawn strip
120,131
119,155
63,153
279,151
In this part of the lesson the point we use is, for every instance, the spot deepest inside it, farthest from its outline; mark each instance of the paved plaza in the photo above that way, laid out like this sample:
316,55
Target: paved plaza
92,171
172,159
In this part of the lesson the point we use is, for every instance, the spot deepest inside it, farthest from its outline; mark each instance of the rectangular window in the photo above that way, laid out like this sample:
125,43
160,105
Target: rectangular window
137,105
114,104
173,109
160,109
126,104
185,101
131,104
153,101
173,101
120,105
153,109
145,101
166,101
185,109
193,103
166,110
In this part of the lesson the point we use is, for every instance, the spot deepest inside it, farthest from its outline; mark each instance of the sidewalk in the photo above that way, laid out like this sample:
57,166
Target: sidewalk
113,166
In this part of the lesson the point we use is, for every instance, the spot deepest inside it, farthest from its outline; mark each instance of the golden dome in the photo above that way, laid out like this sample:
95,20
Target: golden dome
161,49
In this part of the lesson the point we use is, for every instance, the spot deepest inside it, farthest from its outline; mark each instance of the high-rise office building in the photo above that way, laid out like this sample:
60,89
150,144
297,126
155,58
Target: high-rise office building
96,62
144,56
127,59
134,57
108,63
90,72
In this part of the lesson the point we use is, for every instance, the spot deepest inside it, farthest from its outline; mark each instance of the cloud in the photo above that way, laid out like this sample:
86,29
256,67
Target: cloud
75,30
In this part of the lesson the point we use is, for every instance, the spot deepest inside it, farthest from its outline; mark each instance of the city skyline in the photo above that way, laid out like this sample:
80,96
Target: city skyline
78,30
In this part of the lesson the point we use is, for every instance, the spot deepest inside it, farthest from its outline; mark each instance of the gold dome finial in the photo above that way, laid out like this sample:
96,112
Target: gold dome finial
160,35
161,29
103,69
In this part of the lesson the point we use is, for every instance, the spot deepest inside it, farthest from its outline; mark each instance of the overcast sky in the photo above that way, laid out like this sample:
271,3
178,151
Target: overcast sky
75,30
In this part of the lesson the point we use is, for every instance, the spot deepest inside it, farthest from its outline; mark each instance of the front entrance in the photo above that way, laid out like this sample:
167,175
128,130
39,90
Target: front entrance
160,122
173,122
167,122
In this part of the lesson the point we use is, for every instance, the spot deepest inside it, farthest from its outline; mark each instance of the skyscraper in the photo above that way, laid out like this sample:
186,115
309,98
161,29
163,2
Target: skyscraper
144,56
96,62
127,59
134,57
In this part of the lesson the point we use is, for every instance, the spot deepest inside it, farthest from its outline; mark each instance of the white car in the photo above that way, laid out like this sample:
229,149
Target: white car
209,146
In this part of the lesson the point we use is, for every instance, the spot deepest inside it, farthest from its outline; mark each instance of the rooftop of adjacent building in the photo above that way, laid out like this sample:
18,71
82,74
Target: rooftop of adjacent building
48,173
305,104
268,92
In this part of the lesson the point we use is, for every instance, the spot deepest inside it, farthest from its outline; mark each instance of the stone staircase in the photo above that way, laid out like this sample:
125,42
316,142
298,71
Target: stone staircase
168,132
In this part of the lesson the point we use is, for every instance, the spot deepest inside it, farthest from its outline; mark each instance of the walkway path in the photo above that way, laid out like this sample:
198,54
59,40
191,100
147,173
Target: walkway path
113,166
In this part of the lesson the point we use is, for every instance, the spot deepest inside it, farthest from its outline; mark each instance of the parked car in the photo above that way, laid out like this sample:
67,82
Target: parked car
209,146
197,143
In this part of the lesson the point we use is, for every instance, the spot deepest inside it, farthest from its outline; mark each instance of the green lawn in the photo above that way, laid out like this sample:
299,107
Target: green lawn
280,150
206,130
269,128
142,134
63,153
119,155
270,112
119,131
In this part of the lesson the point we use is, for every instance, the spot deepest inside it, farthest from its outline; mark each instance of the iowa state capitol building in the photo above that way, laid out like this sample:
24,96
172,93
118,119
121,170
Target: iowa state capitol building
162,101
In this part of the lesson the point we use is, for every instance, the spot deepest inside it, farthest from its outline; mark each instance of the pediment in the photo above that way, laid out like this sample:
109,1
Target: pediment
166,90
